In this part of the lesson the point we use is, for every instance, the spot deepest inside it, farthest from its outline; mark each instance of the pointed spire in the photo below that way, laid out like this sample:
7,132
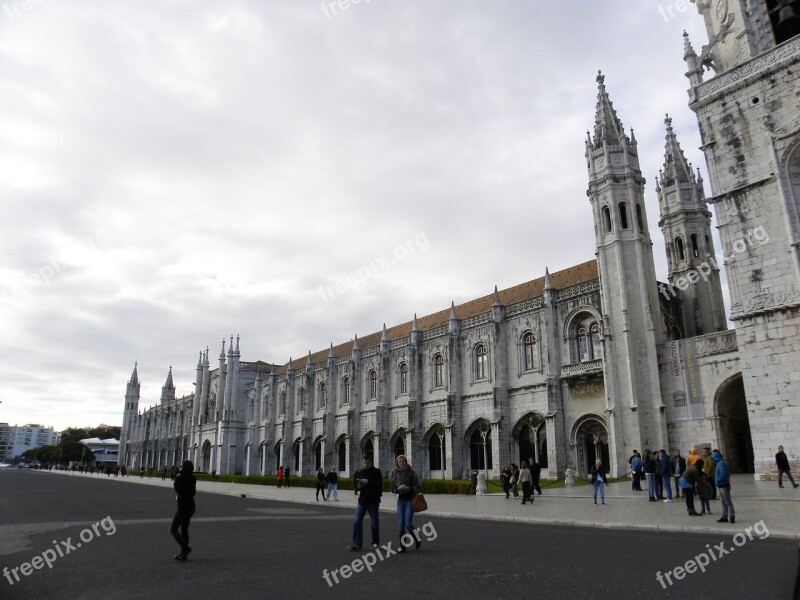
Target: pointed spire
308,360
200,360
688,50
222,352
355,343
414,326
384,334
169,384
230,348
496,301
205,360
330,352
676,167
135,375
236,352
453,316
608,128
547,283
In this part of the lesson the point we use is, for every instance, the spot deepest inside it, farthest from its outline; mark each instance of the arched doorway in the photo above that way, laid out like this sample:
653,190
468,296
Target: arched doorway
318,455
206,454
278,455
590,441
734,425
367,448
399,445
341,453
531,435
480,447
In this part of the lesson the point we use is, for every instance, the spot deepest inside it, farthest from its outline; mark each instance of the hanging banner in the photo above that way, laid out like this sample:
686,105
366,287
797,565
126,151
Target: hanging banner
685,399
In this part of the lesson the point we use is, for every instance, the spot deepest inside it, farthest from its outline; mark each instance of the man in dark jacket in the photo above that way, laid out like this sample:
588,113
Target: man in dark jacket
723,476
783,467
185,486
536,473
369,485
678,467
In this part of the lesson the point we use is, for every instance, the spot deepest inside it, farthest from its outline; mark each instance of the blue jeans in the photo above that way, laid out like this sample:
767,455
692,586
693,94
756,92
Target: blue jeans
599,485
333,489
405,514
358,525
651,484
667,487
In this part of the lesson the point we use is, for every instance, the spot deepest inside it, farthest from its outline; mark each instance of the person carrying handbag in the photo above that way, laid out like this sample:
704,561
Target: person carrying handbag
404,480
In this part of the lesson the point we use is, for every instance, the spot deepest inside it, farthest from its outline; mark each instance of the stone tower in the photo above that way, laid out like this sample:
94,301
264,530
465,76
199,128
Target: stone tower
693,267
131,408
168,389
749,116
631,311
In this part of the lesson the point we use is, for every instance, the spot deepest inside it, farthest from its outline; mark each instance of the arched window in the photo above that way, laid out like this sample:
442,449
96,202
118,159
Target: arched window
346,390
639,218
587,336
681,249
302,400
437,455
529,351
695,247
283,403
438,371
480,361
403,378
373,385
623,215
323,395
597,348
607,218
584,354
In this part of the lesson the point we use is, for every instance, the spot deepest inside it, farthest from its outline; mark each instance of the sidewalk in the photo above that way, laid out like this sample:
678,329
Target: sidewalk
625,509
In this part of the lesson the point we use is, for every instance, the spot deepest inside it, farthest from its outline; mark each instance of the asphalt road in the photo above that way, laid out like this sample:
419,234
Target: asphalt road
107,539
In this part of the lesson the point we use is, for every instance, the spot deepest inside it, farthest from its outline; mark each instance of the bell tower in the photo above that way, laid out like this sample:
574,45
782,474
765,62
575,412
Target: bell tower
128,415
632,326
691,260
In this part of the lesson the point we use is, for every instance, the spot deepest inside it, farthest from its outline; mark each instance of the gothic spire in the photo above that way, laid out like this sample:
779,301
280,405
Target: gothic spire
676,167
496,301
608,128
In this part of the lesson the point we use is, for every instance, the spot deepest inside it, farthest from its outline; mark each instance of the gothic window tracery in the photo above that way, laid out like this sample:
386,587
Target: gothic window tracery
403,378
480,361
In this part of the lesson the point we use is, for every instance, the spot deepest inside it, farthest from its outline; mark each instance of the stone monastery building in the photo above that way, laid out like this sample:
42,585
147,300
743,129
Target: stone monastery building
594,360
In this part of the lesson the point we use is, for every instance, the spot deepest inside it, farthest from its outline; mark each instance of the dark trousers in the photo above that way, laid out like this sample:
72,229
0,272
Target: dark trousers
358,525
677,486
713,487
536,486
689,494
526,491
659,485
181,522
636,483
788,474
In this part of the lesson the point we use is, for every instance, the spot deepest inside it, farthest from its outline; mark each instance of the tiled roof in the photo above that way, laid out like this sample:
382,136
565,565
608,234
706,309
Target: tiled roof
559,280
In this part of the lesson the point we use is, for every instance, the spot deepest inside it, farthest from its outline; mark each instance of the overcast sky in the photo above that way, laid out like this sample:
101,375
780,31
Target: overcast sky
172,173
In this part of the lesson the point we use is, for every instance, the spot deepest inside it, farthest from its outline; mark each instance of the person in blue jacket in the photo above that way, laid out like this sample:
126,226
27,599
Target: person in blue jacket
723,481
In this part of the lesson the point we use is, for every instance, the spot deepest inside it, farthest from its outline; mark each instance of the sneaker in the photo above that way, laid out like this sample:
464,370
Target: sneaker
604,503
733,519
354,548
667,500
722,520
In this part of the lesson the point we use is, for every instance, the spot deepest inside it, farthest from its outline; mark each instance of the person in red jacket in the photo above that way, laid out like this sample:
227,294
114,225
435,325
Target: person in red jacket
280,477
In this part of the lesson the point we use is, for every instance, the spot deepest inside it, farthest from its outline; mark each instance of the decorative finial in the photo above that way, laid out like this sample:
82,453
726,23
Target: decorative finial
600,77
668,121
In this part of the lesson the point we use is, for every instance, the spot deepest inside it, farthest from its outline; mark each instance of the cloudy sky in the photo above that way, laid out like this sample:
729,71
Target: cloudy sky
172,173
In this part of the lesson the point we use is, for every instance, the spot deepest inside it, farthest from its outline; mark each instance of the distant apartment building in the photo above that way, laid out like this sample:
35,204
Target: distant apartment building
6,441
28,437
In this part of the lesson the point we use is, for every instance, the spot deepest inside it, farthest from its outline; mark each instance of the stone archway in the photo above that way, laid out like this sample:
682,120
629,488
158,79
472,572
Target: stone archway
589,441
734,425
530,433
206,457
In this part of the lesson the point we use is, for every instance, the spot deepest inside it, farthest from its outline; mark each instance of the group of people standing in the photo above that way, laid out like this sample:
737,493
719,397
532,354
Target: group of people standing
526,476
706,476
